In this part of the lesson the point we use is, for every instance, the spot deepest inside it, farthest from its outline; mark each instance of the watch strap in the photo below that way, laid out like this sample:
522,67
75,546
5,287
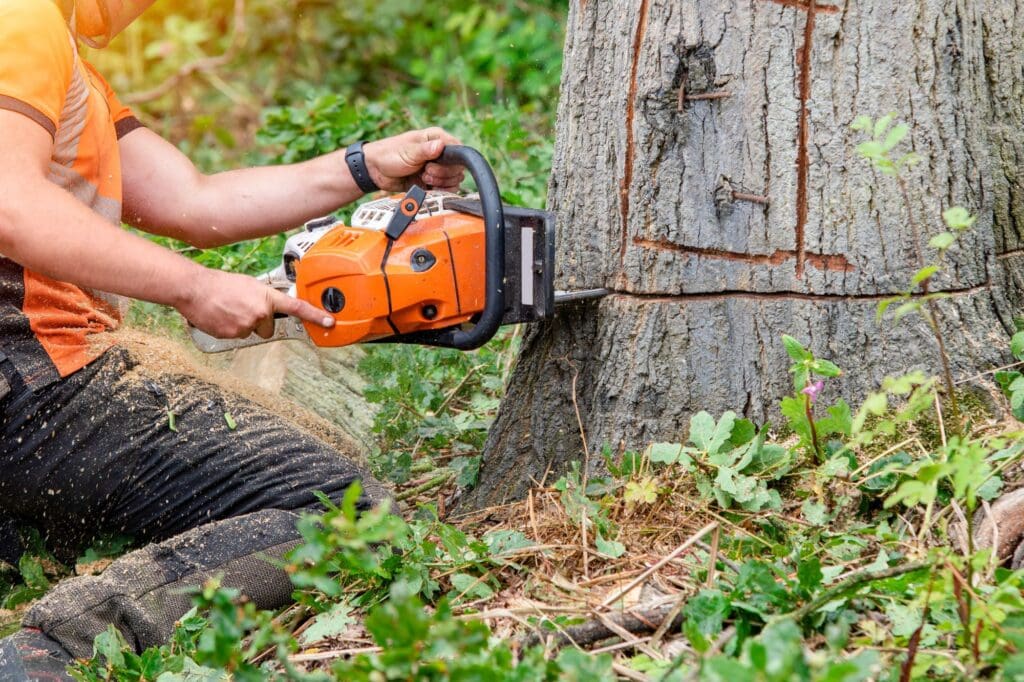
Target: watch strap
356,161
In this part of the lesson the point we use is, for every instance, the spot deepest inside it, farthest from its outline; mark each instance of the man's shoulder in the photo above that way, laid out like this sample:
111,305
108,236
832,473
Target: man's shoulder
31,15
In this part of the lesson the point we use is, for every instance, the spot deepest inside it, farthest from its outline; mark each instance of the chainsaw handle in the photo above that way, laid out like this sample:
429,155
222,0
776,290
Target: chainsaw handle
494,256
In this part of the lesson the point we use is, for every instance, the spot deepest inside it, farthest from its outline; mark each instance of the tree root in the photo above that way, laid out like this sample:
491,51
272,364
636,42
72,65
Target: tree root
1002,526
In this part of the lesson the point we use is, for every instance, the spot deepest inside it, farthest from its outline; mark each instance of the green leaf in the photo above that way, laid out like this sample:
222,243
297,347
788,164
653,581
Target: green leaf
172,421
809,575
232,424
906,309
941,241
743,431
1017,345
703,617
644,491
609,548
506,541
884,305
826,369
470,586
328,624
109,644
958,218
862,123
815,512
669,453
882,124
795,349
895,136
871,150
839,420
707,435
924,273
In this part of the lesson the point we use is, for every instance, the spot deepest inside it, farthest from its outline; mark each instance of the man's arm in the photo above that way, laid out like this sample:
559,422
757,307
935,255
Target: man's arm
45,229
165,194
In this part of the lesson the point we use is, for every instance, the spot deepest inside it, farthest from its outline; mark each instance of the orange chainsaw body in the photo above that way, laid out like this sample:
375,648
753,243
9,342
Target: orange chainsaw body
432,277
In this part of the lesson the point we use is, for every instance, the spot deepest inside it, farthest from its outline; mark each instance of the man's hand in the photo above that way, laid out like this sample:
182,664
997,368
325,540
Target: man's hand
396,163
229,306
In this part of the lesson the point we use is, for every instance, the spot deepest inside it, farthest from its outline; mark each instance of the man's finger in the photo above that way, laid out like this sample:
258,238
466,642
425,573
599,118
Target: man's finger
301,309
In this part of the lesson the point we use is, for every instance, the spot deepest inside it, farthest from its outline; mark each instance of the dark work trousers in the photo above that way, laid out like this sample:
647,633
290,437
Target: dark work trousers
119,450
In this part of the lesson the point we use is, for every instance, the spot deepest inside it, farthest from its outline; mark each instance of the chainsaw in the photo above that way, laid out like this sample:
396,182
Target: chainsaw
430,268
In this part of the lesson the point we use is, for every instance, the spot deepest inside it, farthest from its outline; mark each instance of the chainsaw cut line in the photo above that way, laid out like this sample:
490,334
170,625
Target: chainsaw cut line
661,297
822,261
803,165
627,171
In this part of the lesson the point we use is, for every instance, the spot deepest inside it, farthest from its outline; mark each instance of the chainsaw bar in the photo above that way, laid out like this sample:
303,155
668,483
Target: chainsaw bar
566,297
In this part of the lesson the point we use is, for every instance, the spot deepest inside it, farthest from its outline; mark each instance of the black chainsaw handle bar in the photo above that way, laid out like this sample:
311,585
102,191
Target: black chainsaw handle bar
494,259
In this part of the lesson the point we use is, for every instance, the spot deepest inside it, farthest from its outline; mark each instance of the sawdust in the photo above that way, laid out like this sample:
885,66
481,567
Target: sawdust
164,356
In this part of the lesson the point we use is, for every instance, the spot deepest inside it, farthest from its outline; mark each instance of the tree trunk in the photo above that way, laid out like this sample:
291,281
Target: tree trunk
704,172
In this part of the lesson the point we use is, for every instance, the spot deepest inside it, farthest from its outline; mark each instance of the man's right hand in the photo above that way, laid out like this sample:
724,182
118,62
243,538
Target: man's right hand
230,306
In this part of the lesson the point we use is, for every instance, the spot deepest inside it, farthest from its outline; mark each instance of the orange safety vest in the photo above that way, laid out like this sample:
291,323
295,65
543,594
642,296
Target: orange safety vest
51,329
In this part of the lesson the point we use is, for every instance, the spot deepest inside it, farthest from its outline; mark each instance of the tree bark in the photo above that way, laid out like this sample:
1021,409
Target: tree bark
704,172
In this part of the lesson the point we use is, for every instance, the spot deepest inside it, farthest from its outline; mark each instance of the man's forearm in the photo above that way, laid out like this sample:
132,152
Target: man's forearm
165,194
172,198
49,231
268,200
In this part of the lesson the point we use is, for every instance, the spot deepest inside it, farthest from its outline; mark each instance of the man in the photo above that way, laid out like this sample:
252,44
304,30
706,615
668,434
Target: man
86,446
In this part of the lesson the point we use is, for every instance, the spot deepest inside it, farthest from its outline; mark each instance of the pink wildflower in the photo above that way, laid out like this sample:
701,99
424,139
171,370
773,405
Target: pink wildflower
812,390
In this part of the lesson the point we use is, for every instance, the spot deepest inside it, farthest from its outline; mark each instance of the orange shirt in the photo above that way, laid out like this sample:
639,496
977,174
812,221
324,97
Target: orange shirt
48,328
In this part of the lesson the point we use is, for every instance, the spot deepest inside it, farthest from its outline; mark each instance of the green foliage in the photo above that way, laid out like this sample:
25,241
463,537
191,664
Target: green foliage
358,558
433,400
418,645
799,409
1012,381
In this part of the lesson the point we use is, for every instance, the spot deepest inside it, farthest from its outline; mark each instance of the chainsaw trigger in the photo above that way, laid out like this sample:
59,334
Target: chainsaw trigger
408,208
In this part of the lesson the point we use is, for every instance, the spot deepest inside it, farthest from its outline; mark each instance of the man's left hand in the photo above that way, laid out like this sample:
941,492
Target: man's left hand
396,163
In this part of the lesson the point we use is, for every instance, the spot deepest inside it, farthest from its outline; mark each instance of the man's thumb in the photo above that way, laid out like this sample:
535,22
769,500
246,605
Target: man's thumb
432,149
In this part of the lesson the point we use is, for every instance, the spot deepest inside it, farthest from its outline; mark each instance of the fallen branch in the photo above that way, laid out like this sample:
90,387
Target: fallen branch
435,482
636,621
851,584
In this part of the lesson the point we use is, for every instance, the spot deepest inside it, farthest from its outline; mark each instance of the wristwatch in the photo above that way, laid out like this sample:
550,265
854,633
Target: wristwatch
356,161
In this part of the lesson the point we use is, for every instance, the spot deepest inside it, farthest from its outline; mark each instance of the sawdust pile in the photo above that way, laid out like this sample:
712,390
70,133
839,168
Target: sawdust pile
163,356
